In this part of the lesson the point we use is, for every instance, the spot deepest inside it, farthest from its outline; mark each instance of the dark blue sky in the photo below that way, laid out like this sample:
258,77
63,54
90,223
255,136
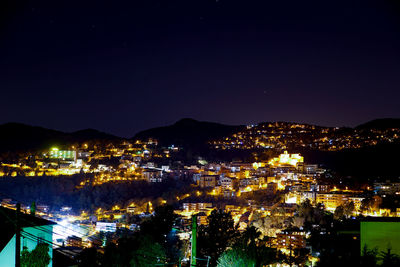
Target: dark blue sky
124,66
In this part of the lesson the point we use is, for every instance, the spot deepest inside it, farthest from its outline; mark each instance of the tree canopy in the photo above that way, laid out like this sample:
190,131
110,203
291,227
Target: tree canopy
38,257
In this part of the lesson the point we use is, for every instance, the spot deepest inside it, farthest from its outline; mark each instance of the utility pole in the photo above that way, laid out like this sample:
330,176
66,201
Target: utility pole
194,241
17,237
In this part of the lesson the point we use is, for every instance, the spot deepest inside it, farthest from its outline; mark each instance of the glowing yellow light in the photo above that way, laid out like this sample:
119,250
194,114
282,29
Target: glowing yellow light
213,192
291,200
256,165
286,159
281,186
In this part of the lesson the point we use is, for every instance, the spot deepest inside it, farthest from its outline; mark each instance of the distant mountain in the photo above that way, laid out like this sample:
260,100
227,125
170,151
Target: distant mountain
20,137
89,134
366,162
380,124
188,133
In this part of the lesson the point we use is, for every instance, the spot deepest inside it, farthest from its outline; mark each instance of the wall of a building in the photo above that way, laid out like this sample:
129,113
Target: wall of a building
7,255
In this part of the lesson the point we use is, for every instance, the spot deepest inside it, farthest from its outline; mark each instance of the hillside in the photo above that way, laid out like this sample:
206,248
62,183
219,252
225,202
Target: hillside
21,137
364,163
194,135
188,133
380,124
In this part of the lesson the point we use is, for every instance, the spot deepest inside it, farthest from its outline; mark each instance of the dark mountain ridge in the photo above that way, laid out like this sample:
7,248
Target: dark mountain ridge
188,132
21,137
380,124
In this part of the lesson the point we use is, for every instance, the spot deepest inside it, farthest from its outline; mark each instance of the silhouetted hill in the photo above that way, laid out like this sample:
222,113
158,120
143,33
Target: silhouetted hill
89,134
21,137
193,135
380,124
188,133
366,162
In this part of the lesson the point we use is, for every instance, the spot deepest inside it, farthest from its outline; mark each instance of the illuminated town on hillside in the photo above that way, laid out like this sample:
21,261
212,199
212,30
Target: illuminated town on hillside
199,133
283,134
272,195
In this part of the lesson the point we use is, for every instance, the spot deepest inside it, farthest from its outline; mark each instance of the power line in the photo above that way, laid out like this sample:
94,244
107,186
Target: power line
36,239
69,229
67,253
51,232
15,223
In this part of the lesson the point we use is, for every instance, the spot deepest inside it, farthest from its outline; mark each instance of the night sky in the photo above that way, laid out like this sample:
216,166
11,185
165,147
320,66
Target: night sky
125,66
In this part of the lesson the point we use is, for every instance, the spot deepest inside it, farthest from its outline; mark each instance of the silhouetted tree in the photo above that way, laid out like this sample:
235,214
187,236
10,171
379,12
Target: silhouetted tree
368,257
389,259
89,257
148,253
160,224
38,257
235,258
217,235
254,248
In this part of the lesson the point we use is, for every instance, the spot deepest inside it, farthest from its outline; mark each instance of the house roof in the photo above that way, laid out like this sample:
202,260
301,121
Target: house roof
8,221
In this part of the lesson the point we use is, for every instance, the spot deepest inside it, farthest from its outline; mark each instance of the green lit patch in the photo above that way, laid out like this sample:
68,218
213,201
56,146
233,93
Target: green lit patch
381,235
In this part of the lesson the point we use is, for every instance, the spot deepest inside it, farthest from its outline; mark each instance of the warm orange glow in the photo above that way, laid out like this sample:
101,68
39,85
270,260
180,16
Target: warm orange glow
286,159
